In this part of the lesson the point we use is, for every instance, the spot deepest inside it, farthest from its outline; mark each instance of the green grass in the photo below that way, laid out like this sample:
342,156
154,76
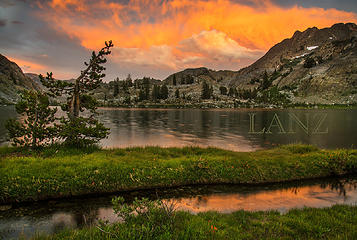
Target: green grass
337,222
61,172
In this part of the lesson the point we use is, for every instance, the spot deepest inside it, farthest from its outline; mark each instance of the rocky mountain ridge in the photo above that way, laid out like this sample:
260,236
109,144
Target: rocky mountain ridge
12,80
330,78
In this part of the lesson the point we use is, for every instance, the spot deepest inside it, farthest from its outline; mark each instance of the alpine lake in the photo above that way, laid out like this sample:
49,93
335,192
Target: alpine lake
232,129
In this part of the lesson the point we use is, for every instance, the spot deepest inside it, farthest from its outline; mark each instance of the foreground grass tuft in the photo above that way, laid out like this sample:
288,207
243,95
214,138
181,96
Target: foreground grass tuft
337,222
56,172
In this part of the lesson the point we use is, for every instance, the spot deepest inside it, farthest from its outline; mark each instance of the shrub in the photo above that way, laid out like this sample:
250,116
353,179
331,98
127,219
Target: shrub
309,62
37,127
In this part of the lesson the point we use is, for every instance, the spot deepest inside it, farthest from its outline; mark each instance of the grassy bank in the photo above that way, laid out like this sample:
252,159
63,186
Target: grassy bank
337,222
60,172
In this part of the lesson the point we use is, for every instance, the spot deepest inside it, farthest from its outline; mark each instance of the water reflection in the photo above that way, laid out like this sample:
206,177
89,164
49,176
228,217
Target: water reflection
223,128
53,216
280,200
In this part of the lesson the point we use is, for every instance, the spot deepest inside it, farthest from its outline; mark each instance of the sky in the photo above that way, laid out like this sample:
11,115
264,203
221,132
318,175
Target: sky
155,38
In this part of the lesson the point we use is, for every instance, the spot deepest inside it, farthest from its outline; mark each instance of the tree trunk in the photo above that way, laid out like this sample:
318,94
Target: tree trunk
75,102
34,138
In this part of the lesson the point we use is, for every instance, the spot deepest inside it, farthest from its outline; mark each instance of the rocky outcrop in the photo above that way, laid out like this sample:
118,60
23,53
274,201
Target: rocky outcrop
12,80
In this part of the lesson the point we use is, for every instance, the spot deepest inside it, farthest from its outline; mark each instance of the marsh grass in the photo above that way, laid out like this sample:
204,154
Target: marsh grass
56,171
337,222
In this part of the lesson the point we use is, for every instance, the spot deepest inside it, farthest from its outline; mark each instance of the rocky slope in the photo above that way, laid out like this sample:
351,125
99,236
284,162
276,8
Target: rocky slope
314,66
12,79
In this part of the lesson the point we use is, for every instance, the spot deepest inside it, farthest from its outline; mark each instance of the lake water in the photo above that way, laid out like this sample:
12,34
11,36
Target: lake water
233,129
53,216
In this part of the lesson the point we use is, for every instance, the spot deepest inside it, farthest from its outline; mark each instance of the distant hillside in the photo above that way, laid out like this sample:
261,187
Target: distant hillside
12,79
315,66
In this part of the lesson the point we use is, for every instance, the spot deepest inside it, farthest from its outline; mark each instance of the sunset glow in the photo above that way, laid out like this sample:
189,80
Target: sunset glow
28,66
160,37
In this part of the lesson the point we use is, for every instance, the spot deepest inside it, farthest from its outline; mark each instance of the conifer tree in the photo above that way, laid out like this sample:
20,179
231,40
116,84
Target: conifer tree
146,82
155,94
141,95
223,90
164,92
116,87
129,81
37,128
174,80
266,82
206,91
231,92
78,130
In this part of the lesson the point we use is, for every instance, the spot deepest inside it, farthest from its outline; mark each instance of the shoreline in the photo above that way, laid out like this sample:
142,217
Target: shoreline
287,183
64,173
212,106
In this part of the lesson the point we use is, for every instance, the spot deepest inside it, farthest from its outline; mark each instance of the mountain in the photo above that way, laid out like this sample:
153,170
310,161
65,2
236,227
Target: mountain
317,66
12,79
313,66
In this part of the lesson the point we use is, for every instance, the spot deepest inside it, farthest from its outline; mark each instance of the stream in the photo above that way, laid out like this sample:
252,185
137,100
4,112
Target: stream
52,216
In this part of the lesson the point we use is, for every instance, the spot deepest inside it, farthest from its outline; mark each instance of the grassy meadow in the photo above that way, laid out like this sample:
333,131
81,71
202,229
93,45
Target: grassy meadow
57,172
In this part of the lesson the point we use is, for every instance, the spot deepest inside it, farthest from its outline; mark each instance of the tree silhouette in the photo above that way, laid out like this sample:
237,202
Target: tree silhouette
77,130
164,92
206,91
174,80
155,93
116,87
223,90
266,81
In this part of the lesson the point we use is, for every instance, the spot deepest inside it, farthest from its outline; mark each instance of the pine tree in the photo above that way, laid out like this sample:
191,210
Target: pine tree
266,82
236,93
141,95
206,91
231,92
125,87
38,126
174,80
76,130
182,81
116,87
223,90
164,92
146,83
155,94
309,62
129,81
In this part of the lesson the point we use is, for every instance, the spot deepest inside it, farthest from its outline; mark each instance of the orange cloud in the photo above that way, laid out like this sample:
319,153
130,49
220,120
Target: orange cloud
146,29
142,23
28,66
33,67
